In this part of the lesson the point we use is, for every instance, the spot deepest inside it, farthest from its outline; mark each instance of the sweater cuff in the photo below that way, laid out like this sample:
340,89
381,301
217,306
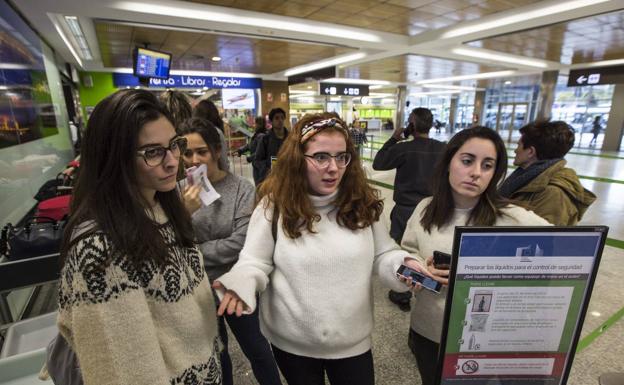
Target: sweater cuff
242,286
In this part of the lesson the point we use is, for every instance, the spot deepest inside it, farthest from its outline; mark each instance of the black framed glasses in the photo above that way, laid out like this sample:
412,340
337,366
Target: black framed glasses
322,159
155,155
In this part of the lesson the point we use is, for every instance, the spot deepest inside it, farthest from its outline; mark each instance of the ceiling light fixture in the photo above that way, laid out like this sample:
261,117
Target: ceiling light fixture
324,64
79,37
483,75
66,41
225,15
481,54
435,93
603,63
451,87
521,17
357,81
216,58
209,73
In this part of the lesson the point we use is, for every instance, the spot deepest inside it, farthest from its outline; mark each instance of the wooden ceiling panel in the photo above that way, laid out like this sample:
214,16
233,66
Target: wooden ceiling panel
379,15
584,40
411,68
194,51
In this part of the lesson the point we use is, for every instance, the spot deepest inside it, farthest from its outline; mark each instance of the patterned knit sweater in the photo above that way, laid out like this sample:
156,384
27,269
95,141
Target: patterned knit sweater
153,325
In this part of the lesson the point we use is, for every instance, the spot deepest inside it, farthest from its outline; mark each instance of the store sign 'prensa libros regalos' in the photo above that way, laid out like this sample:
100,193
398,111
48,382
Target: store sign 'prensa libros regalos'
189,81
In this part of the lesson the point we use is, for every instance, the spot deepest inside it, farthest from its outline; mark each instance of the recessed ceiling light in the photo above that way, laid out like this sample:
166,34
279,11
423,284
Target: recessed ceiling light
520,17
452,87
324,64
483,75
357,81
216,58
508,82
482,54
309,87
224,15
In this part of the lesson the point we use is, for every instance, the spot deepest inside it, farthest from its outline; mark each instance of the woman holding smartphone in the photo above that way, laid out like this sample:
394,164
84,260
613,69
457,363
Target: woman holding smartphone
220,230
313,244
135,304
464,193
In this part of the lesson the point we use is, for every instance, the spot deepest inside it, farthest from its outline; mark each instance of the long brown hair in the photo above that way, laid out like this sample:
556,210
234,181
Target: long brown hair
439,211
106,191
358,205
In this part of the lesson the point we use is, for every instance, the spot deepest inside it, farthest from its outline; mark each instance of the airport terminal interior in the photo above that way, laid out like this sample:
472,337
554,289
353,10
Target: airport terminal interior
495,63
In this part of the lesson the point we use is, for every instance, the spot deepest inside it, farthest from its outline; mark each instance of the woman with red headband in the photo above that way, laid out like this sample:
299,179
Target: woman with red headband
313,244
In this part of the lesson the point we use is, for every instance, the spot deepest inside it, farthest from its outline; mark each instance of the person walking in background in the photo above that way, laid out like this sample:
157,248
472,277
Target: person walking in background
542,182
359,139
596,128
414,162
220,230
464,182
135,304
252,147
313,244
269,146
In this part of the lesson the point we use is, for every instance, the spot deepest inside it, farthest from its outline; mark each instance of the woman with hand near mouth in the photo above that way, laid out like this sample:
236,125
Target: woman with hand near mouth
464,193
220,230
313,244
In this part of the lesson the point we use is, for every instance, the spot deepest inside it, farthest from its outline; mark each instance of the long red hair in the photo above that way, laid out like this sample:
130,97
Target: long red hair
358,204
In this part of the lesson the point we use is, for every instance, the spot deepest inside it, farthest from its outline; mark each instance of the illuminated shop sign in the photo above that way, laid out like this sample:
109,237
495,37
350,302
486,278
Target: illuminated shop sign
189,81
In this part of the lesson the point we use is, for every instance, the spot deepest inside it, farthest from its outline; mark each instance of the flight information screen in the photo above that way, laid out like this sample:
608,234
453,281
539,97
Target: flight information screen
152,64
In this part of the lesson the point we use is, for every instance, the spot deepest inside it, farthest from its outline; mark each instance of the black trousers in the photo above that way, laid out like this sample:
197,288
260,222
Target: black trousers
426,353
300,370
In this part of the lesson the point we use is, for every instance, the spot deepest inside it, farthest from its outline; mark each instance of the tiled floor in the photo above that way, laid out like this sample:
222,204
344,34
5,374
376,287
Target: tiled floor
394,363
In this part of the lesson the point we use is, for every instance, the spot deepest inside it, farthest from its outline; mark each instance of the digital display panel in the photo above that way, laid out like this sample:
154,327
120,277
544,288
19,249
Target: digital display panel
151,64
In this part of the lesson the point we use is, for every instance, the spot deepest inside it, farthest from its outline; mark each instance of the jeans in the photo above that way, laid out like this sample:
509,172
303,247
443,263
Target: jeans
426,353
246,330
300,370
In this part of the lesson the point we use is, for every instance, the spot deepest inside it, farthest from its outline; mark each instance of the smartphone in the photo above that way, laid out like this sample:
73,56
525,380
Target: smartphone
441,260
426,282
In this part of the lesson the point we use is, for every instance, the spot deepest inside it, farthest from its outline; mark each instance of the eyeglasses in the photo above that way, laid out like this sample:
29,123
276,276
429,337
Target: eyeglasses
322,159
155,155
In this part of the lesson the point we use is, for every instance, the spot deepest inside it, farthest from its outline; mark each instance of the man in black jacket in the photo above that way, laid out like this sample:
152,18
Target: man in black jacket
267,150
415,162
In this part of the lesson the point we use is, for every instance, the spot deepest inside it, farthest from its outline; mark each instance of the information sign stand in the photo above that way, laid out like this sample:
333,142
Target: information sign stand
516,303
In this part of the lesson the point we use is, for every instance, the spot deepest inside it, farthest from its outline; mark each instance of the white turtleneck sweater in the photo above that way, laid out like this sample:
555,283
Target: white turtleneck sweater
317,298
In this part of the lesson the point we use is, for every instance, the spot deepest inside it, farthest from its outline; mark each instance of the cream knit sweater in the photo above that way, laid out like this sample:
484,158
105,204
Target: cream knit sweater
316,296
428,307
147,326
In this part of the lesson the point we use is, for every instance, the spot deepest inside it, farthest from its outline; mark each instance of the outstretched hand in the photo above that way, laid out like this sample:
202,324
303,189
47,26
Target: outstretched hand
231,302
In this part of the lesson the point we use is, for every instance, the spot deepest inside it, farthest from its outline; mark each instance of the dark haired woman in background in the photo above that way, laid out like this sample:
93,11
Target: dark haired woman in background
220,229
135,302
464,193
205,109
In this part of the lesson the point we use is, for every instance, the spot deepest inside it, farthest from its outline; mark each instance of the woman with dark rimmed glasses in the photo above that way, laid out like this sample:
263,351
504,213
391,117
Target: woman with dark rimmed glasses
135,304
313,244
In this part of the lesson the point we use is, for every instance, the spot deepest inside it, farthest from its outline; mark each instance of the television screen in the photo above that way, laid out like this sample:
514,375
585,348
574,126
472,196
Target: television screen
238,98
151,64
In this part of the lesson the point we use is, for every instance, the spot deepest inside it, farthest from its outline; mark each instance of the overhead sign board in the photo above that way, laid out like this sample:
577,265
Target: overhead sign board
596,76
189,81
311,76
339,89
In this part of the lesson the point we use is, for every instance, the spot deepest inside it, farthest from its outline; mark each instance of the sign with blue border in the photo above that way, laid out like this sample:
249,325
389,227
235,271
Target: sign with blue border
189,81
